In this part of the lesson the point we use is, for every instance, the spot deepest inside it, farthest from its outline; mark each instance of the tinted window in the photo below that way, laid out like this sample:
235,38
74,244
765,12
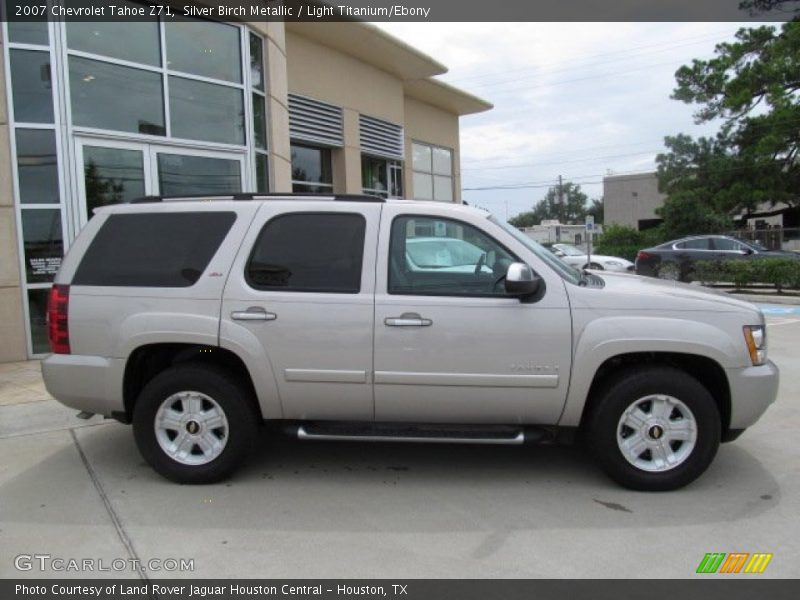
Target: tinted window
204,111
204,48
37,166
110,96
136,41
31,86
442,257
153,250
696,244
309,252
186,175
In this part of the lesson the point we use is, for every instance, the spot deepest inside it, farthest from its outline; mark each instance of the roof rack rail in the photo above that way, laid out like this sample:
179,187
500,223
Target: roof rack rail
257,196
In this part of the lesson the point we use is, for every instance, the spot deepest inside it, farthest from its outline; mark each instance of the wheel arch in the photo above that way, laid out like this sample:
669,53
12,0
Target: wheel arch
708,372
147,361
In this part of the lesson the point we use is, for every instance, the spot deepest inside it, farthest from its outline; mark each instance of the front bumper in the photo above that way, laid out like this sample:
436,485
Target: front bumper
753,389
90,383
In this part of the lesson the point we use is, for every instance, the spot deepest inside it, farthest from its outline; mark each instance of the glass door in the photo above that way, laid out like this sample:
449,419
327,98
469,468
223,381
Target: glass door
112,172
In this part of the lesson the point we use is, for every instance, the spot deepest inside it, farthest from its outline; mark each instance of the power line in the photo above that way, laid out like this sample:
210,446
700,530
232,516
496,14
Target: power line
627,51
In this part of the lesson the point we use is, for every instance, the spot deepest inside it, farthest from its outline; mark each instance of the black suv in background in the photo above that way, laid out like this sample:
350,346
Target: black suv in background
674,260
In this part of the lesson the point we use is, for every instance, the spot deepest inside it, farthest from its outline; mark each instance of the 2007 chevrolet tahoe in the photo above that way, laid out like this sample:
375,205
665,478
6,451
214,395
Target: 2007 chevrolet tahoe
347,317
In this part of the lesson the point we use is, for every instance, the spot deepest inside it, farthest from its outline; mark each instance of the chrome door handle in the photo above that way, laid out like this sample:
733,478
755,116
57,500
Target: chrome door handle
254,313
407,320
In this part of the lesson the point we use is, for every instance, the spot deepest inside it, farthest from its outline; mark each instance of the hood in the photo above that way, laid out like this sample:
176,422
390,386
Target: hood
635,292
598,257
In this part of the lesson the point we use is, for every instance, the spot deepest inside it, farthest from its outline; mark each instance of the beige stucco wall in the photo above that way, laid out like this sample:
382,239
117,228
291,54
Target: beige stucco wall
622,207
431,125
12,316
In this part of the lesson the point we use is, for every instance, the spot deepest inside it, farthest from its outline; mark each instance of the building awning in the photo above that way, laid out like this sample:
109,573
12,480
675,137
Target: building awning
438,93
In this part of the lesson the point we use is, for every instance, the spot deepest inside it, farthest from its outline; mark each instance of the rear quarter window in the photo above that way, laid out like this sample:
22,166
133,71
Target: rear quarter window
154,249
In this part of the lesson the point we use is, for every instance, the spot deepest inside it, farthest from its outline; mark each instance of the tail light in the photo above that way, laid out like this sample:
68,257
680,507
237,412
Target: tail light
642,255
57,319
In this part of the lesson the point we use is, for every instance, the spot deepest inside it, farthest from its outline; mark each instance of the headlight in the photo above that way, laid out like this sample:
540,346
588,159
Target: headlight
756,338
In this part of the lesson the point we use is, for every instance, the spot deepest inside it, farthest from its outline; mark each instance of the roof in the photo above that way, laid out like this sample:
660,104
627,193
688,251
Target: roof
374,46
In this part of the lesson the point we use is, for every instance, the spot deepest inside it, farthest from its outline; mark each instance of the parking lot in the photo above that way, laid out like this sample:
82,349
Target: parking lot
79,489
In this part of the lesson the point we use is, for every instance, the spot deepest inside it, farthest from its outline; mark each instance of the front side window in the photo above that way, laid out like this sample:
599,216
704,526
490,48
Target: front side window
433,172
727,244
311,170
309,252
442,257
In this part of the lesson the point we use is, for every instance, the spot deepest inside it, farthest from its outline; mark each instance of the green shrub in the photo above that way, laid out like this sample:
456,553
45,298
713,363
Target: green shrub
625,242
783,273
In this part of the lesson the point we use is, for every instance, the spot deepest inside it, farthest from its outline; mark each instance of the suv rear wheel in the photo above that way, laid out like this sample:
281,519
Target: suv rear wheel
194,423
654,429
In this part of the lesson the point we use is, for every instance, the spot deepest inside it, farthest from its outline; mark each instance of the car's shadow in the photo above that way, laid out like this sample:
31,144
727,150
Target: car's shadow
290,485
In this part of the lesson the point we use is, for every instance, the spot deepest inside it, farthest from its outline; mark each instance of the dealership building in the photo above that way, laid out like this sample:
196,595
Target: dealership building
97,113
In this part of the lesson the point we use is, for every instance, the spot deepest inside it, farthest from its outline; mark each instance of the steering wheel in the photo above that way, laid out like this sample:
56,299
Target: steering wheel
480,264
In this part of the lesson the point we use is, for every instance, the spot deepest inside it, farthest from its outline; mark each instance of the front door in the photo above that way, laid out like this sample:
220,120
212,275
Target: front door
115,171
450,346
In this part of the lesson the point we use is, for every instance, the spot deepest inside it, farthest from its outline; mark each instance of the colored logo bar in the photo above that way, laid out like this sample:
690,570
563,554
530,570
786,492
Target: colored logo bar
734,562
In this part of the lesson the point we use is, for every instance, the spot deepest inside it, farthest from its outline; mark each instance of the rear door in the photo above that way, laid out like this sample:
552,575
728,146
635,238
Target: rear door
300,297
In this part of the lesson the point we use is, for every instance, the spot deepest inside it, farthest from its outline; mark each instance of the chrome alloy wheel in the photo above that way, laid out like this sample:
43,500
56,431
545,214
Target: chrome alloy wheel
657,433
191,428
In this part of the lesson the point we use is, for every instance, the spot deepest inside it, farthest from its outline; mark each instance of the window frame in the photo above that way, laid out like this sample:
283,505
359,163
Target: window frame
325,151
438,294
286,290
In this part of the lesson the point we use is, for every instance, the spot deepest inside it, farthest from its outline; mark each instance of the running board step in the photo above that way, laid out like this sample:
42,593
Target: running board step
427,433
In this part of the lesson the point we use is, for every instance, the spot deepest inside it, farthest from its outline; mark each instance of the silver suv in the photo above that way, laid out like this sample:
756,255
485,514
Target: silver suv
355,318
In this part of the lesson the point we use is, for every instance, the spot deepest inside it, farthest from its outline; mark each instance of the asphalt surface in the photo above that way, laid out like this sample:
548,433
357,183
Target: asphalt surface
79,489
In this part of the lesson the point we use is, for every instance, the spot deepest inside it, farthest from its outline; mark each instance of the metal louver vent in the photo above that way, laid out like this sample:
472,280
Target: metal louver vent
381,138
314,121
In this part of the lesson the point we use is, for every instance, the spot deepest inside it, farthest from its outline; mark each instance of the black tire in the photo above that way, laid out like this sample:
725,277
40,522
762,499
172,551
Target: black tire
619,394
231,397
594,267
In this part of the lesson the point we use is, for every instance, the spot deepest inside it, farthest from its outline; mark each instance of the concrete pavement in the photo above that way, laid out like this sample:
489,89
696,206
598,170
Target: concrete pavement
79,489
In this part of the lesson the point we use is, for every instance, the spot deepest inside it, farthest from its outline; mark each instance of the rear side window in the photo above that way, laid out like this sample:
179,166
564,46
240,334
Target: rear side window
695,244
153,250
309,252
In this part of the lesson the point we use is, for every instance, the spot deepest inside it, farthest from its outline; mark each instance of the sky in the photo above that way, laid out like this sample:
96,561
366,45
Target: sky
581,100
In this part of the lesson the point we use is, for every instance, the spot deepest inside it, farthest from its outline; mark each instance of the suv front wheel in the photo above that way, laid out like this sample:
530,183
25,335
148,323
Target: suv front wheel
654,429
194,423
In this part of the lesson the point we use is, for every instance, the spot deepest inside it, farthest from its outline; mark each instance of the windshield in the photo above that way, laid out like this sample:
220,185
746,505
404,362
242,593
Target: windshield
559,266
569,249
753,244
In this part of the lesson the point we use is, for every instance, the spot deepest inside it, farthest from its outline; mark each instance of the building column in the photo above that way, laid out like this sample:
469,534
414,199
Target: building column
12,314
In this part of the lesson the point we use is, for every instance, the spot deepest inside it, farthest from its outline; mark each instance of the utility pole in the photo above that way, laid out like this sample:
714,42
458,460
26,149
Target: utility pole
560,203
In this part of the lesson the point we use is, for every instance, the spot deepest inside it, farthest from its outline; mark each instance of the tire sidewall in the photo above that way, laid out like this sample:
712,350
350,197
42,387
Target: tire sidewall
624,391
226,392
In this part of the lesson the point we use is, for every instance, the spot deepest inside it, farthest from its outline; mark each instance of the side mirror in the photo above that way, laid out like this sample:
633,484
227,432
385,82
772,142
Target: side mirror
559,253
521,281
748,251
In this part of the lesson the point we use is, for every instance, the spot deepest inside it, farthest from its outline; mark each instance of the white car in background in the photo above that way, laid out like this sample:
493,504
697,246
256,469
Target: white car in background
575,257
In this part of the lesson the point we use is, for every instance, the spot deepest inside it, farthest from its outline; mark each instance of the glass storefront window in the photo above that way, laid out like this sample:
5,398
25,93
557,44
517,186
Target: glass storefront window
37,307
204,111
204,48
433,172
262,173
31,86
136,41
37,166
33,31
256,62
43,243
381,177
107,96
111,176
259,121
180,175
311,169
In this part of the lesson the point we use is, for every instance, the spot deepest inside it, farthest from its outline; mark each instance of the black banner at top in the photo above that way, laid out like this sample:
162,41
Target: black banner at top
406,10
